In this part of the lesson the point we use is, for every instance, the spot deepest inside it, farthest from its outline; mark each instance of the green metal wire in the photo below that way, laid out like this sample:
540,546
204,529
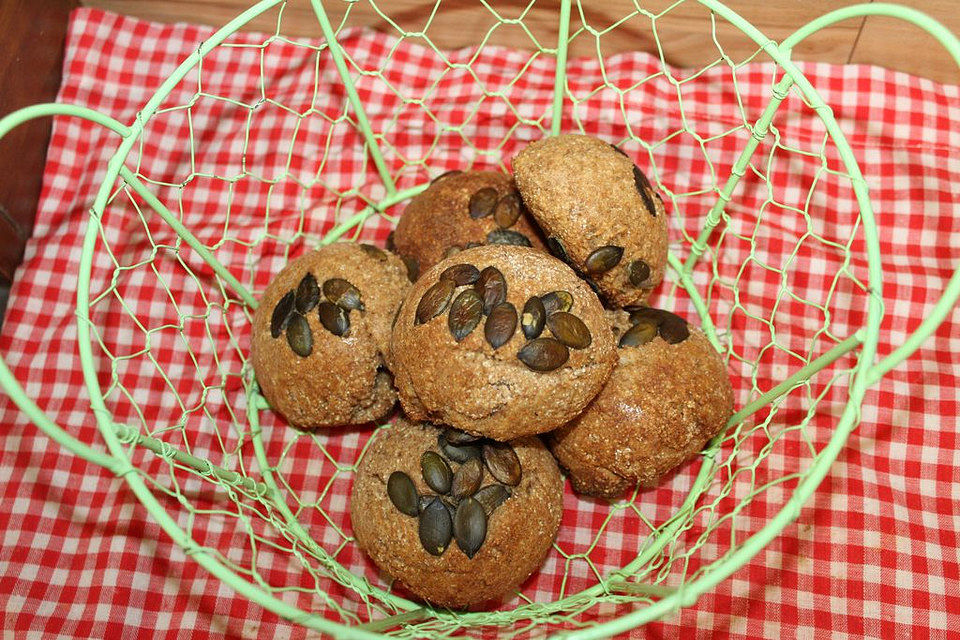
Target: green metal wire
668,571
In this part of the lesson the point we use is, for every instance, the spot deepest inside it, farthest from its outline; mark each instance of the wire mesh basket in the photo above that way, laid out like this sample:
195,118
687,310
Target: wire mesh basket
179,410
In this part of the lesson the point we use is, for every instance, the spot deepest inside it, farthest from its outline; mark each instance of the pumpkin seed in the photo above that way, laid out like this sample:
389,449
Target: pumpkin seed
638,271
544,354
457,437
492,496
450,505
533,318
446,174
508,211
458,453
603,259
424,501
391,243
557,301
342,293
470,526
299,337
461,274
403,493
508,236
465,314
334,319
467,479
434,301
308,294
557,249
471,245
436,528
637,314
451,251
641,333
644,189
502,462
674,329
569,329
482,202
436,472
501,324
282,314
413,268
492,287
374,252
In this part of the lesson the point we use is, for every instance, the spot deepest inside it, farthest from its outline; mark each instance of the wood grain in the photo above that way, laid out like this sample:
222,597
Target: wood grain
911,49
32,56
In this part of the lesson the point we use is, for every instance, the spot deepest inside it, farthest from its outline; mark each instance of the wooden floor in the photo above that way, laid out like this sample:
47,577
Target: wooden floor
683,32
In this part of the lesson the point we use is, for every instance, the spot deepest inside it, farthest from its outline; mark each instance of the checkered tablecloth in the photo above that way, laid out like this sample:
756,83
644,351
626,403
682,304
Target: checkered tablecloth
873,554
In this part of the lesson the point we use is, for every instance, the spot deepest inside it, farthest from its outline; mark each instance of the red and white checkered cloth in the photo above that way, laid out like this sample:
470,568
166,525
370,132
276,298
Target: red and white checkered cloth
873,554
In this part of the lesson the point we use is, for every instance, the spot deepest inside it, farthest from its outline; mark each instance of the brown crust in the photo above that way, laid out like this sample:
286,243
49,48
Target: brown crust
662,403
437,219
475,388
582,191
519,534
343,381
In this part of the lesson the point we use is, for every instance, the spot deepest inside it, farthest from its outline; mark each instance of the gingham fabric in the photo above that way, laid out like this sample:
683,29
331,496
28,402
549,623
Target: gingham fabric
873,554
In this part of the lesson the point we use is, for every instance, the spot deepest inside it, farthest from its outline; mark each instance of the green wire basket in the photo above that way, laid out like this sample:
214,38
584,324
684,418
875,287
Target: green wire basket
269,511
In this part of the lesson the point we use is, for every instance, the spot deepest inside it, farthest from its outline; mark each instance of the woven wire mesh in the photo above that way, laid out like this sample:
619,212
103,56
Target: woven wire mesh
782,280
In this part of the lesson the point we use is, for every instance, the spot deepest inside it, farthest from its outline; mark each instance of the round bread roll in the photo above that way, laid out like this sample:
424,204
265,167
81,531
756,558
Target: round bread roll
477,538
461,210
599,213
500,341
667,397
320,334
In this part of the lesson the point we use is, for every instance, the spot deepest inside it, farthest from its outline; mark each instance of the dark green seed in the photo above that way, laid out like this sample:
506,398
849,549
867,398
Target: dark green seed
491,497
424,501
508,236
644,189
557,249
502,462
342,293
674,329
544,354
391,242
465,314
467,479
557,301
299,337
308,294
451,251
461,274
334,319
434,301
436,528
471,245
470,526
501,325
450,505
458,453
413,268
533,318
483,202
436,472
446,174
508,211
641,333
492,287
569,329
603,259
655,316
457,437
282,314
403,493
638,271
374,252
